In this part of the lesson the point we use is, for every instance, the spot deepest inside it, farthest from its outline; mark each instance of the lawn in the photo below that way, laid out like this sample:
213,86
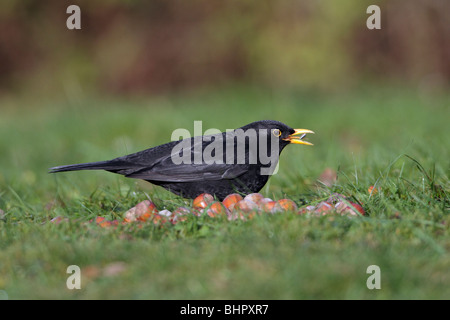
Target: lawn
395,139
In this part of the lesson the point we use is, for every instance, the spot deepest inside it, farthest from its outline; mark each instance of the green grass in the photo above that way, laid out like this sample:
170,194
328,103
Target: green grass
395,139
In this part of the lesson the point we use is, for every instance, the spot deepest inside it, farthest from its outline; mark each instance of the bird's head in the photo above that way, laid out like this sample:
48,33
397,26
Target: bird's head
284,133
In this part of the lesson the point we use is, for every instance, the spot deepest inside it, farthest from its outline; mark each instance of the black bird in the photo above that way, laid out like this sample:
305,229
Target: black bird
235,161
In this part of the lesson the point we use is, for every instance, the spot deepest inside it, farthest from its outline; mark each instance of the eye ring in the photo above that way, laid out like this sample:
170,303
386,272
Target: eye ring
276,132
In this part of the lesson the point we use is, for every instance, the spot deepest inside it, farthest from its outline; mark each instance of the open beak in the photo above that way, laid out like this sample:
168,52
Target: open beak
298,135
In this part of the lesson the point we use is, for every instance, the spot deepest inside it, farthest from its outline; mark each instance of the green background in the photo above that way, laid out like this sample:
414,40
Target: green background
378,101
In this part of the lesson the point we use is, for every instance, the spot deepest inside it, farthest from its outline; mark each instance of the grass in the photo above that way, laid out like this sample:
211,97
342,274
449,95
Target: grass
395,139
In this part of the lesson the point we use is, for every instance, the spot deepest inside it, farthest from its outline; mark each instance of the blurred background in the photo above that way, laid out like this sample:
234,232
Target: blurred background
137,70
162,46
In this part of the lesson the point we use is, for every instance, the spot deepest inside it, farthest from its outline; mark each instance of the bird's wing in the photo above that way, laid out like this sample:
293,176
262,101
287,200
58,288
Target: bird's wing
164,169
167,171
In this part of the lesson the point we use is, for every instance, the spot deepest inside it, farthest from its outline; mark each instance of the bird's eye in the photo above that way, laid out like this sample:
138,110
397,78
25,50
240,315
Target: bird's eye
276,132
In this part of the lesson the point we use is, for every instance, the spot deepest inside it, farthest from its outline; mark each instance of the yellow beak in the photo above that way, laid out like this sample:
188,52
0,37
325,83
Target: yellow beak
298,140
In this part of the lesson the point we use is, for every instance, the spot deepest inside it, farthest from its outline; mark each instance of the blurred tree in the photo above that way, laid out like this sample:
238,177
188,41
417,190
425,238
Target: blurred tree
163,45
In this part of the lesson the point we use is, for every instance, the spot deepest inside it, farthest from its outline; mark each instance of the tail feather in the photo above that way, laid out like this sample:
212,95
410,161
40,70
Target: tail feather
100,165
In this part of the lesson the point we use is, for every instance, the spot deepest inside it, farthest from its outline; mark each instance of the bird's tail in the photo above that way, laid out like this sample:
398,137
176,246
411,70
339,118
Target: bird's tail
100,165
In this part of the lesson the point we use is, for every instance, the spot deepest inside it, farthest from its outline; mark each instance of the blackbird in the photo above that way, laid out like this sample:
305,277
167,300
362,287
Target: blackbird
238,161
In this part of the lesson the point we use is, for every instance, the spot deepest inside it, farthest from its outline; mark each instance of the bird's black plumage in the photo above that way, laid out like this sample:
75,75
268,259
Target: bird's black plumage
218,164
